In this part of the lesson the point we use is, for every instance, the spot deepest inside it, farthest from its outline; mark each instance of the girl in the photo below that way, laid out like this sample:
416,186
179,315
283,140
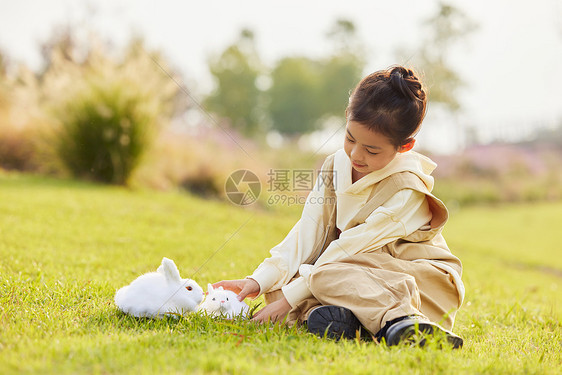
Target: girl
367,253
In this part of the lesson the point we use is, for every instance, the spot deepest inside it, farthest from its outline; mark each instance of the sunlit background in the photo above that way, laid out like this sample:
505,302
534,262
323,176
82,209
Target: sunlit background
260,85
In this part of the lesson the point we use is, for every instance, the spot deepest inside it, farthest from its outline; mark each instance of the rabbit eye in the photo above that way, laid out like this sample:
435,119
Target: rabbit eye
214,298
189,288
227,298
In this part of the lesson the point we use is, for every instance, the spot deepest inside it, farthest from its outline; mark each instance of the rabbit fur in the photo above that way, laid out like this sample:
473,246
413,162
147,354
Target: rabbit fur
156,294
223,303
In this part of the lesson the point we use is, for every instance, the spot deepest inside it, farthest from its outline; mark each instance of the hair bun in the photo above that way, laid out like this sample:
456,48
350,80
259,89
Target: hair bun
403,72
405,82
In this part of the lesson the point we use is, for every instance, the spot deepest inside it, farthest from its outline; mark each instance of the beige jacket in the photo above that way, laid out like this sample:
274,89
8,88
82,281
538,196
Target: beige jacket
401,216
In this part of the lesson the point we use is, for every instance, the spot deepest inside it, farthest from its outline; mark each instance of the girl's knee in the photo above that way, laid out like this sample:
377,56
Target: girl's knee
325,277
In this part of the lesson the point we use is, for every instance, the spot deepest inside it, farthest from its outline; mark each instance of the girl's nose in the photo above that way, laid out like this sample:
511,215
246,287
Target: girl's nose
355,154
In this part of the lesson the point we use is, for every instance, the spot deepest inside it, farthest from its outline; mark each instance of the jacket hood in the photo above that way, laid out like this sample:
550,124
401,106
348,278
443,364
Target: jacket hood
409,161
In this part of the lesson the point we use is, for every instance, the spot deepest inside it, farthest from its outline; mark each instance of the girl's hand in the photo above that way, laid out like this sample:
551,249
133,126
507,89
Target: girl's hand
274,312
243,287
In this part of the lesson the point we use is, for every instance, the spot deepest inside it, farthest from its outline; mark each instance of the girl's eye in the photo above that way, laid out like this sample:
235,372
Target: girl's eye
372,153
189,288
349,139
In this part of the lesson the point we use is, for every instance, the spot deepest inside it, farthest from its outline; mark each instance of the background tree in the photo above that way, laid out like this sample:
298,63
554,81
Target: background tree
236,96
294,105
343,70
3,81
448,26
3,64
305,92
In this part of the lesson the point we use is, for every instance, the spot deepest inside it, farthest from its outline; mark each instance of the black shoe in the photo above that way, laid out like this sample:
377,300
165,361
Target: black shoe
334,321
407,329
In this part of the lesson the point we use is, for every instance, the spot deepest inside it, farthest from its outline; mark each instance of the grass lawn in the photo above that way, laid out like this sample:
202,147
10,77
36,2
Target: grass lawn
66,247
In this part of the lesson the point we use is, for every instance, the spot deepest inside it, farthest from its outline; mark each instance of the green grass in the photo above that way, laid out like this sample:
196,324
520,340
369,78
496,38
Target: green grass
65,247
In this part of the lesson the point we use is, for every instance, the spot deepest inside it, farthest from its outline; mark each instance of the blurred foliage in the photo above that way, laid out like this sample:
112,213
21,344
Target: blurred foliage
20,144
296,95
305,91
343,70
88,111
105,110
499,173
96,113
3,64
105,130
549,137
18,148
292,97
442,31
492,174
340,74
199,164
236,96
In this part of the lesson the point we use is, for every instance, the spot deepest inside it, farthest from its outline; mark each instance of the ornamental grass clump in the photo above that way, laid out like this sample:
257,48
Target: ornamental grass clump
107,109
104,132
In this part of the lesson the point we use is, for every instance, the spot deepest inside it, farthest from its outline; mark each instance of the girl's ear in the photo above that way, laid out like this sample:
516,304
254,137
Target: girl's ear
408,146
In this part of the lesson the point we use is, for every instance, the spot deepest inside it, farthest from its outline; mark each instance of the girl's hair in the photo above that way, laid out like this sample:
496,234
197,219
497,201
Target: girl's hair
391,102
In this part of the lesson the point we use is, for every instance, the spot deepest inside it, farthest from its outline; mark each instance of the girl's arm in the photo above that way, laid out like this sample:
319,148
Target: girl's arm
286,258
400,216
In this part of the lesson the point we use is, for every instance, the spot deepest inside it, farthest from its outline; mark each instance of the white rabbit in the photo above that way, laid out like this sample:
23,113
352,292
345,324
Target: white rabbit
156,294
221,302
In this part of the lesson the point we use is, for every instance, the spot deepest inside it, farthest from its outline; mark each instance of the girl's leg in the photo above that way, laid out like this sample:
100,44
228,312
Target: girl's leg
379,288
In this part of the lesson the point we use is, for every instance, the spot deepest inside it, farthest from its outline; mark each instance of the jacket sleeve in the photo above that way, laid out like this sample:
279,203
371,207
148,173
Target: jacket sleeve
286,258
401,215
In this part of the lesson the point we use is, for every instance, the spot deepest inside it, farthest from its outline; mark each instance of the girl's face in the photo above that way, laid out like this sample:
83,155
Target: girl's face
368,150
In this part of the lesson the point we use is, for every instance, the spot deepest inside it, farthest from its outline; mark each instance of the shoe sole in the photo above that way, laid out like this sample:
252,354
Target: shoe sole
334,322
406,332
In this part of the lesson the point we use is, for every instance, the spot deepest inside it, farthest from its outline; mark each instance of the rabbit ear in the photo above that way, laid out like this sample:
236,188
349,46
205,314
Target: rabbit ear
169,269
210,288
